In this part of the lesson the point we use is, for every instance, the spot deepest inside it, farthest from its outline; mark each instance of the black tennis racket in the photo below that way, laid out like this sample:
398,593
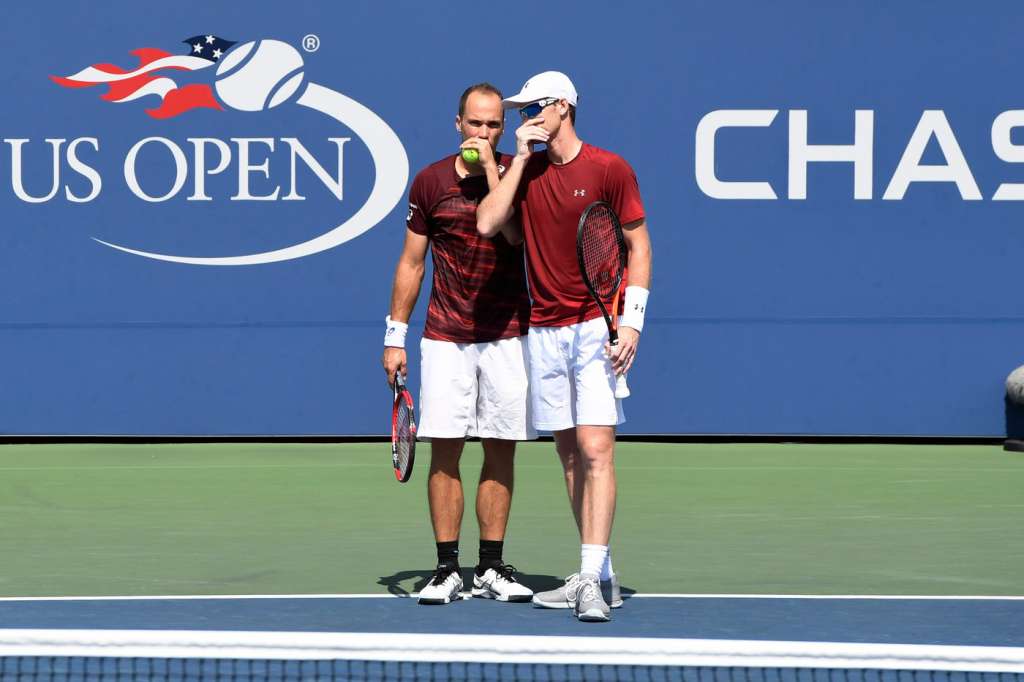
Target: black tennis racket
403,431
601,250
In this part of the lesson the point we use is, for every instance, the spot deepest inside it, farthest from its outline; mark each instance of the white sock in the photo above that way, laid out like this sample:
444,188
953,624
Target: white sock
606,569
592,559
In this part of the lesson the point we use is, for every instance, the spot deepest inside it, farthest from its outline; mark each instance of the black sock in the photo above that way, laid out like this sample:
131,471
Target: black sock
490,555
448,554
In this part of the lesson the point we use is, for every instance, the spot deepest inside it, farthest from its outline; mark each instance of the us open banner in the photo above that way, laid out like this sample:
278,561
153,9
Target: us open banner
203,206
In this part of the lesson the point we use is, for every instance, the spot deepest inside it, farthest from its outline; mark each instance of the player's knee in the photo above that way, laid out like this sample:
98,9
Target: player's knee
498,452
445,456
498,468
444,470
568,453
596,451
598,464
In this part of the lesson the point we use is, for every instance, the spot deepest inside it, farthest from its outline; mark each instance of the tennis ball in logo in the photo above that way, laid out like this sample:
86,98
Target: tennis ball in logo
1015,386
470,155
259,75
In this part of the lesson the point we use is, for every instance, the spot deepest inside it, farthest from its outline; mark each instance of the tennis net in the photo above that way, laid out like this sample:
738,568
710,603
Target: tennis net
193,656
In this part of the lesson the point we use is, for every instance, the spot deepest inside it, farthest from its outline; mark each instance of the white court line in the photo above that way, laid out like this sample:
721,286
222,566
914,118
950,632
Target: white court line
200,597
660,467
642,651
926,597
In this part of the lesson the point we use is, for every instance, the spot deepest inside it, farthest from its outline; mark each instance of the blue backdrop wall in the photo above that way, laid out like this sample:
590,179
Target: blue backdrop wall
876,293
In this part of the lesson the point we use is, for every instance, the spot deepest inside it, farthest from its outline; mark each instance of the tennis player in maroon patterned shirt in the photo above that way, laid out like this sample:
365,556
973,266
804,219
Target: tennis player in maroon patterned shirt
473,352
572,367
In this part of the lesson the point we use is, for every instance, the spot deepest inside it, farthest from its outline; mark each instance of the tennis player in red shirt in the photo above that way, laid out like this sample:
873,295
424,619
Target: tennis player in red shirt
572,367
473,353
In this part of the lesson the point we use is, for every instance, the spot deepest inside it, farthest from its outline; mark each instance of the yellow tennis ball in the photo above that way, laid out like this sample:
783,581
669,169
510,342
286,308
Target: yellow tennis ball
470,155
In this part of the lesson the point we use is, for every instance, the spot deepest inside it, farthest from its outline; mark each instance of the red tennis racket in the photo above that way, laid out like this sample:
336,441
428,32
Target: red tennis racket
403,431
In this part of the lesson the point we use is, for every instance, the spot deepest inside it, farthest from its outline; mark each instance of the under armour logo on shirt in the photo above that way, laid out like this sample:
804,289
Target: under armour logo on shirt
579,192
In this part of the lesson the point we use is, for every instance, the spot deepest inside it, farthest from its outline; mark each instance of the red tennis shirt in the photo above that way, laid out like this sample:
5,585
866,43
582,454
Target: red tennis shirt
550,200
479,288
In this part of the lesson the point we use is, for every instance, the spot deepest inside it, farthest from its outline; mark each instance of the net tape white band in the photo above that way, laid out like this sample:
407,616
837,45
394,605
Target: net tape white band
642,651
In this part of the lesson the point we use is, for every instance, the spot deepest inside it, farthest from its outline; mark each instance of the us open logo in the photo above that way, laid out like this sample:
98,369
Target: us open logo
250,77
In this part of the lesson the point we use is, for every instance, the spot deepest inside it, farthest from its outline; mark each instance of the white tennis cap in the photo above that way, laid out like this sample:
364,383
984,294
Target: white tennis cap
542,86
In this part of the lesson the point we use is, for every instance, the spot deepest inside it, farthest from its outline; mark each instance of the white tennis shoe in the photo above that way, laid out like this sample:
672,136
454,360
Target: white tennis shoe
499,584
444,587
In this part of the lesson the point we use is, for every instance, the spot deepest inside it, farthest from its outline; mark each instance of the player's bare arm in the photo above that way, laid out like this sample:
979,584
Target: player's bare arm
638,242
496,208
404,292
511,229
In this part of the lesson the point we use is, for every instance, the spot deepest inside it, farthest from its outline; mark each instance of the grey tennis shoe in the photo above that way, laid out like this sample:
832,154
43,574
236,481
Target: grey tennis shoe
589,604
562,597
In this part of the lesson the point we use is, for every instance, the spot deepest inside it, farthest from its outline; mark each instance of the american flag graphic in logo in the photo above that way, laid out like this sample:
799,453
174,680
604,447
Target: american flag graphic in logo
150,77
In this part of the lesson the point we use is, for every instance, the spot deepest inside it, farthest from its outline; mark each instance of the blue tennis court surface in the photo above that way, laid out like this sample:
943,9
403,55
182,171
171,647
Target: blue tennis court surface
328,638
969,622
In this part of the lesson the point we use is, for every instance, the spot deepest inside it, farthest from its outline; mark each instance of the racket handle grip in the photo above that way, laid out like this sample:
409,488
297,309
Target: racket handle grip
621,388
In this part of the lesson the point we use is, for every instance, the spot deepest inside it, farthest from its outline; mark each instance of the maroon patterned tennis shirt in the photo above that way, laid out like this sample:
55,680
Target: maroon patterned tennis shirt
479,290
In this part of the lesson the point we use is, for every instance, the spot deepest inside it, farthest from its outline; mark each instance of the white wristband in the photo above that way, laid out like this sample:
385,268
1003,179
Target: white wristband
395,334
634,307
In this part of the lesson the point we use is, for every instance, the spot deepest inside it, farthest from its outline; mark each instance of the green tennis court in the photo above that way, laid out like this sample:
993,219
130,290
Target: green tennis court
286,518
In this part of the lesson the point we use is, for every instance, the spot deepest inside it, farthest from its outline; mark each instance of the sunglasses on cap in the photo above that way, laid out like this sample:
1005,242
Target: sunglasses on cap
533,110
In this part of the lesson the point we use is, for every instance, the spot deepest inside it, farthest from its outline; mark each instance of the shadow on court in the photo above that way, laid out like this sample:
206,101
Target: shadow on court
405,583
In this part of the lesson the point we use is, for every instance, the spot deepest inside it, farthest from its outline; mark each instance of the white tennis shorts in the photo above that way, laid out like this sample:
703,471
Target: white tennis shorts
474,389
571,380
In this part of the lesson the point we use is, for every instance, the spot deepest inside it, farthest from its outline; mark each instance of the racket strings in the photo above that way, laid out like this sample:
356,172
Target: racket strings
601,248
403,432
